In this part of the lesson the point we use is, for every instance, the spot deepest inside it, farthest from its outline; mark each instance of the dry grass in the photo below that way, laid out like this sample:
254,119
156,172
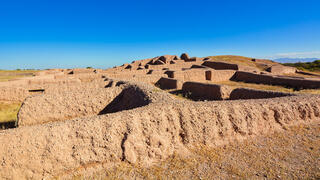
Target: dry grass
290,154
9,111
241,60
7,75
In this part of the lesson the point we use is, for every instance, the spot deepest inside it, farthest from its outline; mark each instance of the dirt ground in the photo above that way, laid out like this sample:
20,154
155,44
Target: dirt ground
291,154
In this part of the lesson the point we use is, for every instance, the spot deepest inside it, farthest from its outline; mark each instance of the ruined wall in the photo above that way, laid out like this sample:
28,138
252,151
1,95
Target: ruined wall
188,75
280,69
219,75
65,105
275,80
204,91
81,71
13,94
244,93
169,83
220,65
145,135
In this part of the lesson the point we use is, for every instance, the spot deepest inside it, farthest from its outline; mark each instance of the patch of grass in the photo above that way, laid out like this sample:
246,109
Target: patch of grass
7,75
9,111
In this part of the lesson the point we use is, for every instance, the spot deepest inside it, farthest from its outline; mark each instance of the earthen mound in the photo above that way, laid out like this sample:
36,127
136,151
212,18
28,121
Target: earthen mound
146,134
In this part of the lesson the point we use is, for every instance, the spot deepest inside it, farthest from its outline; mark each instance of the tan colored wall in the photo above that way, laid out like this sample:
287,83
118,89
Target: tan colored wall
169,83
244,93
219,75
188,75
204,91
279,70
147,134
220,65
275,80
13,94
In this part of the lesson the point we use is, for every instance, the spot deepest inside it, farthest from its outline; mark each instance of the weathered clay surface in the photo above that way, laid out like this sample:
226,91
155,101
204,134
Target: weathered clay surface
204,91
88,117
146,134
276,80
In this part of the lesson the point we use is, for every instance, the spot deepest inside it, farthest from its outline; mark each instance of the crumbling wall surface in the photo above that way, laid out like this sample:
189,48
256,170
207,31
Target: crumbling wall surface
244,93
276,80
145,135
65,105
220,65
280,69
205,91
219,75
81,71
13,94
169,83
188,75
70,102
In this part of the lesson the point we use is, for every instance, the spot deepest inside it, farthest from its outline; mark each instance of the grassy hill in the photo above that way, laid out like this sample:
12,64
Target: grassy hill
306,66
245,61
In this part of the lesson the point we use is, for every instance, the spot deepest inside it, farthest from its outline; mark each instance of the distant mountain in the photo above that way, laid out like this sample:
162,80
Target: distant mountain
294,60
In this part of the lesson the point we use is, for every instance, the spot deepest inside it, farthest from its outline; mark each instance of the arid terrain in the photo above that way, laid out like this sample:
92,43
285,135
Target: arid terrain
167,117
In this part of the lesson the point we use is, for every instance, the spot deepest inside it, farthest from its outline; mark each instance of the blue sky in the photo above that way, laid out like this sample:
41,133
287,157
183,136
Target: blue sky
101,33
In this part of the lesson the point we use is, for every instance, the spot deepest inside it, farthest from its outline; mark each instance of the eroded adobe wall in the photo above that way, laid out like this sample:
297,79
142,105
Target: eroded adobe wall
64,105
145,135
169,83
219,75
276,80
280,69
13,94
205,91
220,65
244,93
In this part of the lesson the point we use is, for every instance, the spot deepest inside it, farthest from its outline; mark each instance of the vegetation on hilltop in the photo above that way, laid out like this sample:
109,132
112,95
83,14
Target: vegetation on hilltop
241,60
306,66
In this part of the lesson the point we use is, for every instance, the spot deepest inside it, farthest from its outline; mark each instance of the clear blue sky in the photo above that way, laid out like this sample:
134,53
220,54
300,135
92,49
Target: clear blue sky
102,33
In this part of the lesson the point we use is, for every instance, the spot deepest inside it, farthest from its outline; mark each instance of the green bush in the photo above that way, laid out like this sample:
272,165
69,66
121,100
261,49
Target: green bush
310,66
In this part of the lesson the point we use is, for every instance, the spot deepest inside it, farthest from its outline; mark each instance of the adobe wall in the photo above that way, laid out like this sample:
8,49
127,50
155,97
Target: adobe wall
188,75
280,69
244,93
204,91
65,105
219,75
275,80
13,94
81,71
220,65
169,83
147,134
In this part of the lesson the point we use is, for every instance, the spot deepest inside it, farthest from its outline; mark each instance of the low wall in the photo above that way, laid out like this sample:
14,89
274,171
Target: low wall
64,105
80,71
169,83
13,94
202,91
220,65
219,75
188,75
274,80
280,69
244,93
